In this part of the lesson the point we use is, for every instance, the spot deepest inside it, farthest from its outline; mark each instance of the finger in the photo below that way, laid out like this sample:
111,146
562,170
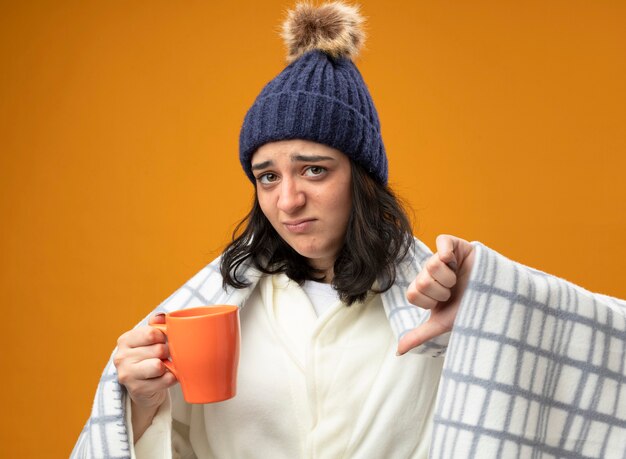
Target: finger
148,369
461,250
427,286
148,387
446,248
158,318
440,272
141,336
130,374
418,299
137,354
418,336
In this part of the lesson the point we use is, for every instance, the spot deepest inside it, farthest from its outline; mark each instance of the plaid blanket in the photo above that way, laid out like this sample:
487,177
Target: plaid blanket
535,366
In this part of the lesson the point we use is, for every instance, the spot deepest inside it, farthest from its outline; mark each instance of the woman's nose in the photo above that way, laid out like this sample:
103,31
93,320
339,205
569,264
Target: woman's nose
290,198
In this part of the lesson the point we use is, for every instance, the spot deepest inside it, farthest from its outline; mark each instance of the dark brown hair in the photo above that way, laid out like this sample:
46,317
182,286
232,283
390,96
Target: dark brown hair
378,236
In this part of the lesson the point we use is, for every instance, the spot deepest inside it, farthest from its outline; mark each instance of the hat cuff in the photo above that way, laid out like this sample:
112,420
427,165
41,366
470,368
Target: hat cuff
316,117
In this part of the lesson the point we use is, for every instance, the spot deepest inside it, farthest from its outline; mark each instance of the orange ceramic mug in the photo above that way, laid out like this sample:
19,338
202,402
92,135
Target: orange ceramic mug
204,350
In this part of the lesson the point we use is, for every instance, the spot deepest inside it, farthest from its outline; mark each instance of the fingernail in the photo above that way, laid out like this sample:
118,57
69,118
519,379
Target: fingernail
452,265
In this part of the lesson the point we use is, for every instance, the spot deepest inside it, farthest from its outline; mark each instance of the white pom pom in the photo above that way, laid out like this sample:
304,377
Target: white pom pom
334,28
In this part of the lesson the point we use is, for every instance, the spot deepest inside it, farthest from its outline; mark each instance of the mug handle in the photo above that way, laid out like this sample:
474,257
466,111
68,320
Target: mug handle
168,363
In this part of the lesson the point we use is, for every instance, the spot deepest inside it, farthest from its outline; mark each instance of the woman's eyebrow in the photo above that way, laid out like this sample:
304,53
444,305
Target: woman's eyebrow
294,158
313,158
262,165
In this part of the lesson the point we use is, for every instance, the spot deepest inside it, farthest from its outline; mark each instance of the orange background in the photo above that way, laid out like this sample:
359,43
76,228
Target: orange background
119,178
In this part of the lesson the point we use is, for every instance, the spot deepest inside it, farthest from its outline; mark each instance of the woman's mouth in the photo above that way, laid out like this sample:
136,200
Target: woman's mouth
299,226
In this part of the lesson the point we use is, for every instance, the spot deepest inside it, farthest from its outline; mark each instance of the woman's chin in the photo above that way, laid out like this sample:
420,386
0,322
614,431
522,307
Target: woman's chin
319,256
322,261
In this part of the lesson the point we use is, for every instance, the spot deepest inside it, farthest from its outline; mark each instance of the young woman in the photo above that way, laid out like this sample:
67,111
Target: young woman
326,310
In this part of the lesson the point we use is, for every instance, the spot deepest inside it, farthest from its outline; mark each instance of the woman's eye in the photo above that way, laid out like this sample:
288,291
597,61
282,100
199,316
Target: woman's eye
313,171
267,178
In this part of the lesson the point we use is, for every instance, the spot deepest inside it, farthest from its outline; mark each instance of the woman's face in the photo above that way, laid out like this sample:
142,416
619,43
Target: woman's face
304,189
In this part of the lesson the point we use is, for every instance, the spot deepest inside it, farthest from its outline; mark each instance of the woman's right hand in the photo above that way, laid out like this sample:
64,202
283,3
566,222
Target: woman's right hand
140,369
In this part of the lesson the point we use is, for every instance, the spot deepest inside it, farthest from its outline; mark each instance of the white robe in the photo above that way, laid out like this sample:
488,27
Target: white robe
308,387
